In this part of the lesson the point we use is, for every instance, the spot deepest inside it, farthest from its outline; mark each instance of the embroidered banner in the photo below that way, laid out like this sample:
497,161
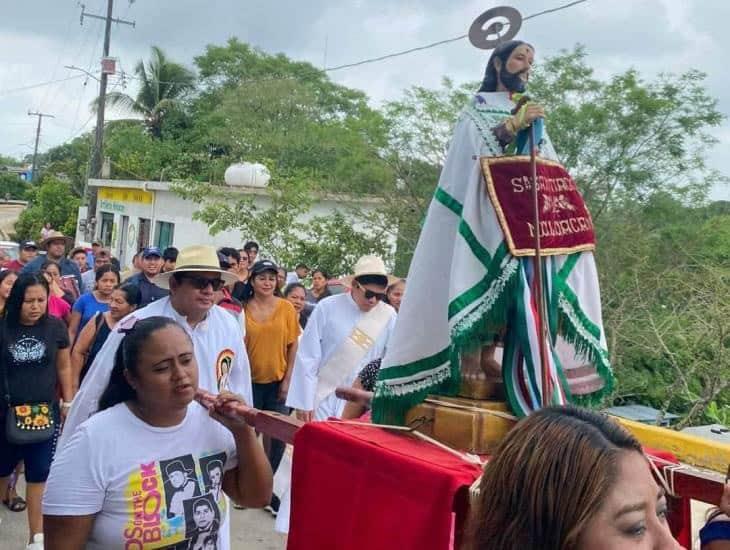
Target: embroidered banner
565,223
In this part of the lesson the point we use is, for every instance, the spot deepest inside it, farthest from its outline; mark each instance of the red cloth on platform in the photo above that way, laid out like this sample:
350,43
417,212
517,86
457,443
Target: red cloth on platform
361,487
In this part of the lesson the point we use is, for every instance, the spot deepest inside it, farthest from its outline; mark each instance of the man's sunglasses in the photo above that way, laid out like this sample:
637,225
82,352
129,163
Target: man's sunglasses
202,282
370,294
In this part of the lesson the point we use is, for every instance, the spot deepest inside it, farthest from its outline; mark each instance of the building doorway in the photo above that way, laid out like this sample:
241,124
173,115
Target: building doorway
143,237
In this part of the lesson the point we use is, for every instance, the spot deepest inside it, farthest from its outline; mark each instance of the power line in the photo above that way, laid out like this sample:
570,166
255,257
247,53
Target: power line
441,42
336,68
31,86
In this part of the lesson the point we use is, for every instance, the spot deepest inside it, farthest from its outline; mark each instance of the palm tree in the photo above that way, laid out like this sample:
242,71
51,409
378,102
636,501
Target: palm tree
163,84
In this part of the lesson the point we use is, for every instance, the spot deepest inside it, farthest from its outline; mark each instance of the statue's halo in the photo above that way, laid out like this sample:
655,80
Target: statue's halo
494,26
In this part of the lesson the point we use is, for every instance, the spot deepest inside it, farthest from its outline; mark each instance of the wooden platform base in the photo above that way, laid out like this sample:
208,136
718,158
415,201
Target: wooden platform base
472,425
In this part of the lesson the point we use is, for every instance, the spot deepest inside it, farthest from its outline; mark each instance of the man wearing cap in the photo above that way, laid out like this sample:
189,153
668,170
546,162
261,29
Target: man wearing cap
343,334
28,251
151,266
216,335
55,245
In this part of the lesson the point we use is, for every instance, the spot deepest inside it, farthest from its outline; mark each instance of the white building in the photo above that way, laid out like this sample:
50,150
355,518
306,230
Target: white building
133,214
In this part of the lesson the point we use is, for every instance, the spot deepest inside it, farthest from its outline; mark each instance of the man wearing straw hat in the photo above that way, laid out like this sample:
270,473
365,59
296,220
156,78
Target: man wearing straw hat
216,335
344,333
55,245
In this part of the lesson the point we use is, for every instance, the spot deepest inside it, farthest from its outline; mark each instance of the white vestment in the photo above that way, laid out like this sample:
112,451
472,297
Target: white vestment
218,347
331,322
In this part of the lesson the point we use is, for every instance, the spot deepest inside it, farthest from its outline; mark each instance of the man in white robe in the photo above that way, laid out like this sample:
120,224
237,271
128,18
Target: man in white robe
344,333
216,335
333,321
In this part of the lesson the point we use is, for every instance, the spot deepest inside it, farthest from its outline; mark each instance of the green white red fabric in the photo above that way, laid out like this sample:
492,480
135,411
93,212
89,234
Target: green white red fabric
464,288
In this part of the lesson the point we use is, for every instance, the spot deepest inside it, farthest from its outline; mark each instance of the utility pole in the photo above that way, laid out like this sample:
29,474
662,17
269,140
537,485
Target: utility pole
37,139
97,155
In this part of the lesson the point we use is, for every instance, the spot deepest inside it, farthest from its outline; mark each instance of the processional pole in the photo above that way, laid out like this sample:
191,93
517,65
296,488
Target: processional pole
537,263
486,32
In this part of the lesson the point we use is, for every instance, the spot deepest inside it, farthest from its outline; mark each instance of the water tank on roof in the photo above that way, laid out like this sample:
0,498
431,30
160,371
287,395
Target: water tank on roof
247,174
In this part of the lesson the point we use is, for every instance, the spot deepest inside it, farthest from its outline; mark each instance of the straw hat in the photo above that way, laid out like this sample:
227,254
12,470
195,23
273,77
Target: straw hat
192,259
56,236
369,265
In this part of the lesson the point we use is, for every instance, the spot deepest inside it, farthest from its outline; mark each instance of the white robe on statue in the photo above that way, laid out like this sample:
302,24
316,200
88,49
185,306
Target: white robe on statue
218,347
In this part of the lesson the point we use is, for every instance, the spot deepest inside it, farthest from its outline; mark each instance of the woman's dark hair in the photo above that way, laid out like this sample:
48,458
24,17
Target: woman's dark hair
547,479
48,263
501,52
232,252
390,288
132,294
17,296
107,268
118,390
321,272
290,288
5,273
247,293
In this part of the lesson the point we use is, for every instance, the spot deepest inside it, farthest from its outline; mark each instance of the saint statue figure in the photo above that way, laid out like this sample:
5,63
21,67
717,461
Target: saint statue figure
467,291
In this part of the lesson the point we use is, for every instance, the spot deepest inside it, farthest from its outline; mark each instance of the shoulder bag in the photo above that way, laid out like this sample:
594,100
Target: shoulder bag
29,422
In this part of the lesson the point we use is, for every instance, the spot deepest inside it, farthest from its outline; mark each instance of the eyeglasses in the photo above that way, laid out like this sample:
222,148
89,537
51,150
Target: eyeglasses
370,294
202,282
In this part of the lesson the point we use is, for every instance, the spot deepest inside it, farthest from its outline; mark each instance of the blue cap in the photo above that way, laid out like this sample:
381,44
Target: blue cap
151,251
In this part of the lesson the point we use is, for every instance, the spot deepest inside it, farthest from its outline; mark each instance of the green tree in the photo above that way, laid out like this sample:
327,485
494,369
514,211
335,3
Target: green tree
69,161
51,201
626,138
163,85
419,131
12,187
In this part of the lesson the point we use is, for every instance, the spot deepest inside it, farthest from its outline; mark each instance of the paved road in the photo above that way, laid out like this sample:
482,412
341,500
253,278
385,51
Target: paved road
9,213
251,530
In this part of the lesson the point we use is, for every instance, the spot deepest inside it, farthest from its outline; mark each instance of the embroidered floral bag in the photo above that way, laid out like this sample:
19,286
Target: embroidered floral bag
29,422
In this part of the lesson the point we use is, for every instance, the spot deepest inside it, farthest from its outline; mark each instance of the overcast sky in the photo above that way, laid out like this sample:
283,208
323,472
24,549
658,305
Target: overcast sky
39,37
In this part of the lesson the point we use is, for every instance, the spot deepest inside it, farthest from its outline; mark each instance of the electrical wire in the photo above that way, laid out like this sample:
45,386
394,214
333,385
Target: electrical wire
31,86
441,42
328,69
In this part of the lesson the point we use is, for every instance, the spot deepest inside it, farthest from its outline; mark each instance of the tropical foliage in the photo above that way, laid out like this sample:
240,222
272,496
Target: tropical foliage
637,148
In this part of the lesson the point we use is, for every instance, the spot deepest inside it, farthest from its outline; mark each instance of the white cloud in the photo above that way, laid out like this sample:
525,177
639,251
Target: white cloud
651,35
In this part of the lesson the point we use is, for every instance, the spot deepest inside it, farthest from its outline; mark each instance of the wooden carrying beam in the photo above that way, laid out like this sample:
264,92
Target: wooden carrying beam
689,449
270,423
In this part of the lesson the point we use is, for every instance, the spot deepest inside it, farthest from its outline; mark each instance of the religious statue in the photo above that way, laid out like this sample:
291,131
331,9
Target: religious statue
479,277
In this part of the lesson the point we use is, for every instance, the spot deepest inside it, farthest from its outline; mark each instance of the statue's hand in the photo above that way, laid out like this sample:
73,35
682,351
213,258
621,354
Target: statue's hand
527,114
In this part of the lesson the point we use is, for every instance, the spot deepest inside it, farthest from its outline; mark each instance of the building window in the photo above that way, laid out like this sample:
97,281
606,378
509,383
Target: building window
107,228
164,233
143,237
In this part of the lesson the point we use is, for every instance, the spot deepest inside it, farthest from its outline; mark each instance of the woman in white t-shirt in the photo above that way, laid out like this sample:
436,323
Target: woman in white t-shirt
145,472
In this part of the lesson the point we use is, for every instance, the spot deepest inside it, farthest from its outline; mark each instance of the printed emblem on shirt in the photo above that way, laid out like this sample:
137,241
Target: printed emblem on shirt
28,350
223,365
176,503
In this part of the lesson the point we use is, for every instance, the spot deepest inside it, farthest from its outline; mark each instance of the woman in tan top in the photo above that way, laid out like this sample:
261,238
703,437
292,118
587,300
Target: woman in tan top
272,332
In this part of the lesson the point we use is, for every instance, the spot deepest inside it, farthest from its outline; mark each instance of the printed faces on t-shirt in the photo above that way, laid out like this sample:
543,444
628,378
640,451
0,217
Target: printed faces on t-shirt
177,503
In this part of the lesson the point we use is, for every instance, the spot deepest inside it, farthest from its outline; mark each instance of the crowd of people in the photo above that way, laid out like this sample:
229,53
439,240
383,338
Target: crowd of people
81,335
101,372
